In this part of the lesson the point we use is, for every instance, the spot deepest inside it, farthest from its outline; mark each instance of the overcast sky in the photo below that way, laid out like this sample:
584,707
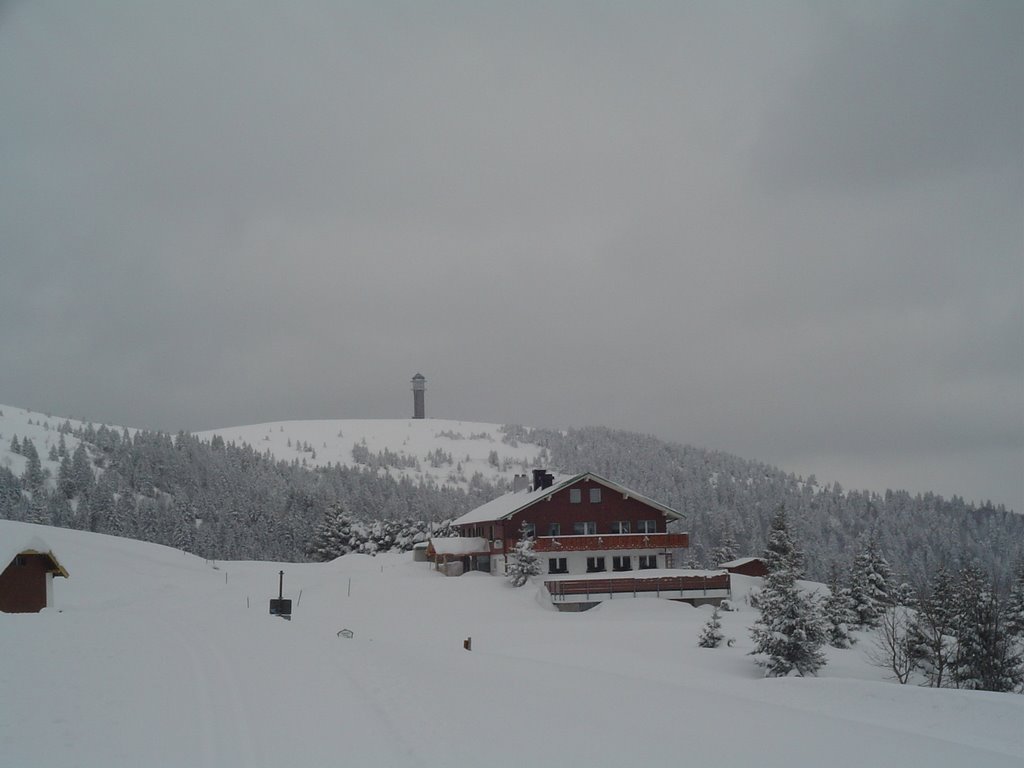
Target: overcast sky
789,231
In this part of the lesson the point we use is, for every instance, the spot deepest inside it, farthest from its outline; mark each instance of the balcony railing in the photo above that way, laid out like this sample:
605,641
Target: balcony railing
664,586
603,542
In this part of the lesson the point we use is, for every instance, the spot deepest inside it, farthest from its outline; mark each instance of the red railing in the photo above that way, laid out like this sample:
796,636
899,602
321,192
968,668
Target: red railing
663,585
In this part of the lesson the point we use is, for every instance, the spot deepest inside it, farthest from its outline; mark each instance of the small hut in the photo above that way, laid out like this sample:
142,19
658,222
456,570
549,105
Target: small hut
746,566
26,583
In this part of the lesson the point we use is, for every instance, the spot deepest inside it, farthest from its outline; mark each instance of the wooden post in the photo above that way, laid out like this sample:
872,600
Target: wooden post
468,643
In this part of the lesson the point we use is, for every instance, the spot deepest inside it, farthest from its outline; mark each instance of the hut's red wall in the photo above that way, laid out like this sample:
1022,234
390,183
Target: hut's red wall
612,508
23,587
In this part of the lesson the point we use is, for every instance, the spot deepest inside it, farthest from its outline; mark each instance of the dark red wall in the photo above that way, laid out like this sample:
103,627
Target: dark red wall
23,587
612,508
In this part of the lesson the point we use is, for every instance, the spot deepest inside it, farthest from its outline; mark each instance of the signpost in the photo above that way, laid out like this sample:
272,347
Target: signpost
280,606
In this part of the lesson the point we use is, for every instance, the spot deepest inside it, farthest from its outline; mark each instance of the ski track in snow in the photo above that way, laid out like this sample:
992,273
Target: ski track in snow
223,718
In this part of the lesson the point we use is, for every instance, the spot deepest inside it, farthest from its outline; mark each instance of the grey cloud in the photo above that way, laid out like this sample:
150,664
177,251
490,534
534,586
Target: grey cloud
790,233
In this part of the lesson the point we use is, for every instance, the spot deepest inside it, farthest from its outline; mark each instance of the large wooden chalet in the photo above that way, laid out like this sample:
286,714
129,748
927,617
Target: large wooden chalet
594,536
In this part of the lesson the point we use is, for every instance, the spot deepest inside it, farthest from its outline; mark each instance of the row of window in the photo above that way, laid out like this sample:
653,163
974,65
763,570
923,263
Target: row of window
597,564
576,495
589,528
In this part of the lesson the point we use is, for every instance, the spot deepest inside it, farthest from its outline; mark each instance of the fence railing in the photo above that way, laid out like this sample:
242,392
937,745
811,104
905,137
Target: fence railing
661,586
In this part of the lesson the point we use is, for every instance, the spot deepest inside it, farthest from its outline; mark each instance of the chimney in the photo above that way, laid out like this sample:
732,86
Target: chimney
520,483
542,479
538,479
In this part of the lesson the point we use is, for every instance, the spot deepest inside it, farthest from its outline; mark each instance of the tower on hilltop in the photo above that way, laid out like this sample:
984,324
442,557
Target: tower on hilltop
419,387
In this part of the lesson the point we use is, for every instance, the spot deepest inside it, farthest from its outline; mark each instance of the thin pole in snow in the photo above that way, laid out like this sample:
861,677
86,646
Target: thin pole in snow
350,586
299,601
280,586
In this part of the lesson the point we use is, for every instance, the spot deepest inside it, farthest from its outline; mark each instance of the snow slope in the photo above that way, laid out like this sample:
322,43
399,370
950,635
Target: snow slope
154,657
469,444
41,429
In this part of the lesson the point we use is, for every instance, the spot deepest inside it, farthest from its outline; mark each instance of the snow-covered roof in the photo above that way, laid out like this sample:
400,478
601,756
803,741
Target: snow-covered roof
738,562
459,545
505,506
34,546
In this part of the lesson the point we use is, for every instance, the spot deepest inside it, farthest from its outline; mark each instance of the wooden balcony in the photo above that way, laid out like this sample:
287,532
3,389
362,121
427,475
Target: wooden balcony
686,587
608,542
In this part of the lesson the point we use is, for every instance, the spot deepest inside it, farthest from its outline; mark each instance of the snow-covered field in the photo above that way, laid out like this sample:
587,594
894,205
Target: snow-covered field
468,444
154,657
448,452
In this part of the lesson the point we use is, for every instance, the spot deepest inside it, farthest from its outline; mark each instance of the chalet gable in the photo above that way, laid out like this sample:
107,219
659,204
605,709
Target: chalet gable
511,504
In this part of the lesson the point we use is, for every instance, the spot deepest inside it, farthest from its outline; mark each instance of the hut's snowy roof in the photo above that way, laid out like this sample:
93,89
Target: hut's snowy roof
34,546
459,545
738,562
505,506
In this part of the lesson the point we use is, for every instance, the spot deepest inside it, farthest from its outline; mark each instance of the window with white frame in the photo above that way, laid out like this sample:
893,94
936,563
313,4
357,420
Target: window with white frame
558,565
595,495
530,530
623,563
554,529
647,526
647,562
620,526
575,495
584,528
595,564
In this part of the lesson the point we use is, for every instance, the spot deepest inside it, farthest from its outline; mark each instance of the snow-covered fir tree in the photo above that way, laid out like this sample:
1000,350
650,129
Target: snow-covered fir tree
789,634
837,612
871,589
333,536
987,658
781,554
711,634
524,562
1015,604
931,632
726,549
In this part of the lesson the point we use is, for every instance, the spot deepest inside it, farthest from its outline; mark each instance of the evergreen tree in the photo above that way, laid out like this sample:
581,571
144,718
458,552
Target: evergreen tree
185,529
65,478
15,445
1015,604
789,632
33,478
333,536
986,659
931,632
781,554
524,561
871,589
99,506
81,470
711,635
837,613
726,549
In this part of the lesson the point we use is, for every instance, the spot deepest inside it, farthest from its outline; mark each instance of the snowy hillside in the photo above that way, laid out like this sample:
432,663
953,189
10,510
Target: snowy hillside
444,451
156,657
42,429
